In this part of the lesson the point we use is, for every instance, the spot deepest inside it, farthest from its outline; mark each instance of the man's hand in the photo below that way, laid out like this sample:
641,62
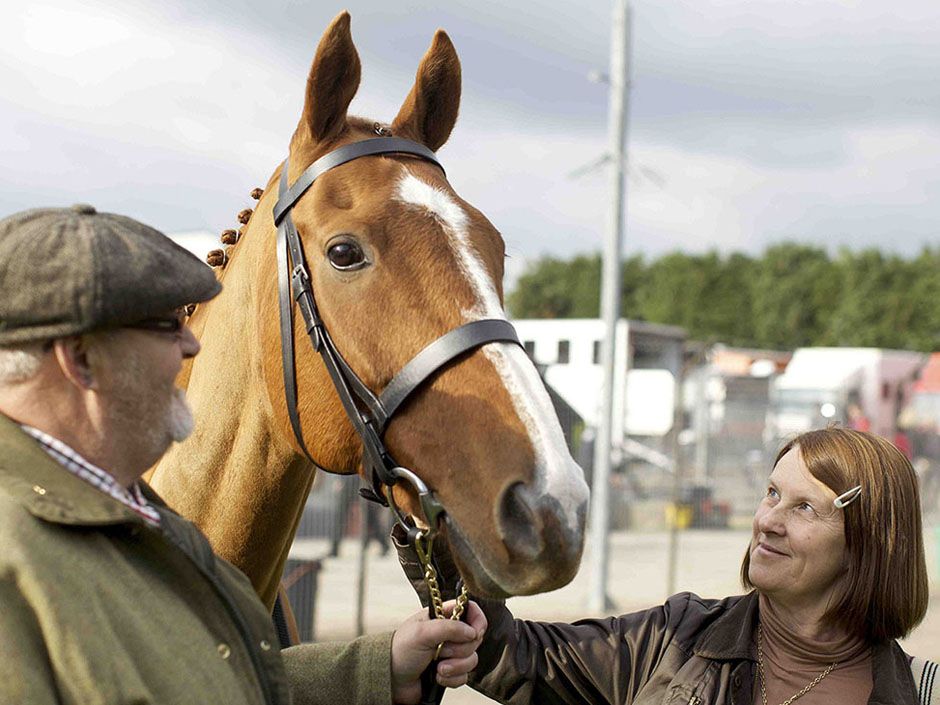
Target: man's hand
414,645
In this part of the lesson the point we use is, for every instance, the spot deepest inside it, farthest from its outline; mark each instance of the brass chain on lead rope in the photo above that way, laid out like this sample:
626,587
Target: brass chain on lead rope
424,544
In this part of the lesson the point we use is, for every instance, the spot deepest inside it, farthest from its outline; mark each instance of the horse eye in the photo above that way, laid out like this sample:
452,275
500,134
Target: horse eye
346,255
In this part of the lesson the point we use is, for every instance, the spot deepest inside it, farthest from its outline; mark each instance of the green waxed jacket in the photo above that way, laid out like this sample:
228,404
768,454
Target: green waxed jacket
97,607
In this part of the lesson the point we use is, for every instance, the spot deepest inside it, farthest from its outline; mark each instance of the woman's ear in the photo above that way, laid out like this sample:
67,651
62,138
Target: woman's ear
72,355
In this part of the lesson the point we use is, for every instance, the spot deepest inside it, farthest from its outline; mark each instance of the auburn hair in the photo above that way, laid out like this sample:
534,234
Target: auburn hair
884,592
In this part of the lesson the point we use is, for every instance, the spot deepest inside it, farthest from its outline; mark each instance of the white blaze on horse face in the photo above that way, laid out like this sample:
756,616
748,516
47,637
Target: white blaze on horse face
556,474
452,217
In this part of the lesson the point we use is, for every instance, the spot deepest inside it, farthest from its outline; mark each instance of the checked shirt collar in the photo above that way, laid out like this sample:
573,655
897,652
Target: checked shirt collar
68,458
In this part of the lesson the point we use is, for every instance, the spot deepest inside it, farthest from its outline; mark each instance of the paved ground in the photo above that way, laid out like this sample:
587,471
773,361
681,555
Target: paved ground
708,565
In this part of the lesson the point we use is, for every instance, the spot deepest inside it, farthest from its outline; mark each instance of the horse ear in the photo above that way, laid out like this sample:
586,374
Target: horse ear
332,83
430,110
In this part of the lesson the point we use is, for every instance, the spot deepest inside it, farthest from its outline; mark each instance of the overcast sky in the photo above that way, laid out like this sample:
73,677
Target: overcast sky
751,121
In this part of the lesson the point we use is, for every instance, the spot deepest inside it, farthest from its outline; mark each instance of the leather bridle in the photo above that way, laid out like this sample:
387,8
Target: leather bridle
369,412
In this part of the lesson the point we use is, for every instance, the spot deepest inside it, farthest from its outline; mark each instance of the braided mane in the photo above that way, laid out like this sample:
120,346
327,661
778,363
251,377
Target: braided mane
217,259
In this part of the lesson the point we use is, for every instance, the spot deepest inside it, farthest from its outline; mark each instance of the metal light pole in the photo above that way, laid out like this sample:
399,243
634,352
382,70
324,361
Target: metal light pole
610,304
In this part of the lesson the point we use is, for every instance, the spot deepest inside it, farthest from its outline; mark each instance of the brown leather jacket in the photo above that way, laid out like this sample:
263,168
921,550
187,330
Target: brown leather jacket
689,651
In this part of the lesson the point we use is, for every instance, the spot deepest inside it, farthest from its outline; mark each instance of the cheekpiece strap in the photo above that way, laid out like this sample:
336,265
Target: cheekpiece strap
285,306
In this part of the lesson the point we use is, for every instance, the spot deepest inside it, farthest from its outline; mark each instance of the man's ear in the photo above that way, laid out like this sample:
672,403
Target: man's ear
72,355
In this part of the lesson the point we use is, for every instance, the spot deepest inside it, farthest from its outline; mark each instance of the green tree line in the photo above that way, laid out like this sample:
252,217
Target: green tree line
793,295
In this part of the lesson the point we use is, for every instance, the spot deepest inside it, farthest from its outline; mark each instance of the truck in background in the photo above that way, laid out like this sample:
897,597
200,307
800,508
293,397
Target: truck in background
924,408
863,388
921,422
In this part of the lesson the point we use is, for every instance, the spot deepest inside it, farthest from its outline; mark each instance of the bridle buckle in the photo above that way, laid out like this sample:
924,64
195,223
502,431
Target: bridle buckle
300,279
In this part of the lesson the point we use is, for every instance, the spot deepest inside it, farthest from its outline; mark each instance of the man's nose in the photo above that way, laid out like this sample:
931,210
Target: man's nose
188,343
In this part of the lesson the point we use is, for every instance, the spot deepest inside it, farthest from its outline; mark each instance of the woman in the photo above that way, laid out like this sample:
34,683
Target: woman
836,571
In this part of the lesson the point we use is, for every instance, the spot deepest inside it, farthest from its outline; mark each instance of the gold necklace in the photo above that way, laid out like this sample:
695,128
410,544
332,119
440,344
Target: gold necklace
763,679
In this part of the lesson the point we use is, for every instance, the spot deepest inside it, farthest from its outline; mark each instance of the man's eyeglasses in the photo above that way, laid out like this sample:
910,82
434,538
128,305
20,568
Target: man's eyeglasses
164,324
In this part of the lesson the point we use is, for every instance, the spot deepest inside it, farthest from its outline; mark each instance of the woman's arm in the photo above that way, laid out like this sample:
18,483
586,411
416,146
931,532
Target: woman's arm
590,661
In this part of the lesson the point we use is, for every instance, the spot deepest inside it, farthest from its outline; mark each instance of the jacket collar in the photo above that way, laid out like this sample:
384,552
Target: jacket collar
891,675
731,636
49,491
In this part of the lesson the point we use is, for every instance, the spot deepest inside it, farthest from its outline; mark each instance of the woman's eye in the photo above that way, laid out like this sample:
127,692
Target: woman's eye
772,493
806,507
346,255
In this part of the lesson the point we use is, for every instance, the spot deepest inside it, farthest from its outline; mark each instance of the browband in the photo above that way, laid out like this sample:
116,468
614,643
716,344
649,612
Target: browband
341,155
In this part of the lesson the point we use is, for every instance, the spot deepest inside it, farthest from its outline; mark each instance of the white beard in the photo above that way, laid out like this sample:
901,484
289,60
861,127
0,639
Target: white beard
156,417
180,419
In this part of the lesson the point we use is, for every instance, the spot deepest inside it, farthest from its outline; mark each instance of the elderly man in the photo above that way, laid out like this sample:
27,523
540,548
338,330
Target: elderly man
106,595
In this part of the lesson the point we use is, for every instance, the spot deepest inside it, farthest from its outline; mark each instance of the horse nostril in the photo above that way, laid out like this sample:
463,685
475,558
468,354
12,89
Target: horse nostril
519,525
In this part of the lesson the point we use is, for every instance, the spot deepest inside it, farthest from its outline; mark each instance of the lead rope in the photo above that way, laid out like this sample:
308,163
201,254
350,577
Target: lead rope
424,544
431,691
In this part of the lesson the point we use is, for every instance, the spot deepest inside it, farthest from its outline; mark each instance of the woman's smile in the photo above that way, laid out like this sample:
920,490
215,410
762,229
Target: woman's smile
764,550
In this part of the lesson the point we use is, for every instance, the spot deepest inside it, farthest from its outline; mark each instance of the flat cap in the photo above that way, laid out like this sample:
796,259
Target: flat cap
65,271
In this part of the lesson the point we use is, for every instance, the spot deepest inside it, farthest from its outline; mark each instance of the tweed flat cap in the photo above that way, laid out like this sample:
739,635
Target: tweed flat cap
65,271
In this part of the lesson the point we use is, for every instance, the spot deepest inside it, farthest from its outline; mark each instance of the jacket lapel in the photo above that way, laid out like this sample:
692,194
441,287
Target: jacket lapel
731,636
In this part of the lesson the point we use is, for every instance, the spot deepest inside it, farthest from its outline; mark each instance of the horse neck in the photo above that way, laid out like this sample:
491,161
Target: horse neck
236,477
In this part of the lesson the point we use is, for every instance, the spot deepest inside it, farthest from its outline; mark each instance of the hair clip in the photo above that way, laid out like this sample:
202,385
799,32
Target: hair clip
846,498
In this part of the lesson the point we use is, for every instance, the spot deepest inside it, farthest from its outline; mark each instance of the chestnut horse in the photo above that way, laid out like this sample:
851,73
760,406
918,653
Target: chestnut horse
396,259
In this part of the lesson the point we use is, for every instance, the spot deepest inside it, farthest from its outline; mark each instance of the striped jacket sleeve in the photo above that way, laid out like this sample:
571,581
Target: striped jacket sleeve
926,680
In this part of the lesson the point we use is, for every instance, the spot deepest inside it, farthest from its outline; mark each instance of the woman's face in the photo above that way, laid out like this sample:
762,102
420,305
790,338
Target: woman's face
798,544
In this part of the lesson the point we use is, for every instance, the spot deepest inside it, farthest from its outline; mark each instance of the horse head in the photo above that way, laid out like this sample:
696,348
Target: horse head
396,259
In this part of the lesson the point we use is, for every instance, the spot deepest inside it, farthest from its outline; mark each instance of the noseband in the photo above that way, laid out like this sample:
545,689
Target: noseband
368,412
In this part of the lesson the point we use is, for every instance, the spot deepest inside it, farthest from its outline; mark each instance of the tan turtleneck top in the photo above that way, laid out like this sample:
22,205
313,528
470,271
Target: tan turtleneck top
792,662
